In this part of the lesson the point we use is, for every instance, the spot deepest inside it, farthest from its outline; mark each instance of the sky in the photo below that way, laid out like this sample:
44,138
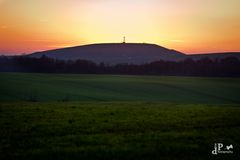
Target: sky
189,26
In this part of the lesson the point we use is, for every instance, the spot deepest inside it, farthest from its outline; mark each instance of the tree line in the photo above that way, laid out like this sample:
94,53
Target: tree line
228,67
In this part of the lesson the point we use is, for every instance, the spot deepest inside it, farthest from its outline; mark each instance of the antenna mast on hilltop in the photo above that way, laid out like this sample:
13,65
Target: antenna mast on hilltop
124,39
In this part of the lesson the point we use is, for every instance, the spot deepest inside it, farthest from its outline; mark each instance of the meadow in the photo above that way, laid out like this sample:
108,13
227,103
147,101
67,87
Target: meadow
47,116
60,87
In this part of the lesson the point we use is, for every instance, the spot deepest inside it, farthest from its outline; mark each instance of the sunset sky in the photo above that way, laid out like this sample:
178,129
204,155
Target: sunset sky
190,26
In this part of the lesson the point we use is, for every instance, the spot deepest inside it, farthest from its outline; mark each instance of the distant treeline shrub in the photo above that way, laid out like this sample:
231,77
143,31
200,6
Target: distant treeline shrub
228,67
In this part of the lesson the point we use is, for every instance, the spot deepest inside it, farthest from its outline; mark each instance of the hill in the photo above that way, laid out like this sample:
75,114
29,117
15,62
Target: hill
115,53
215,55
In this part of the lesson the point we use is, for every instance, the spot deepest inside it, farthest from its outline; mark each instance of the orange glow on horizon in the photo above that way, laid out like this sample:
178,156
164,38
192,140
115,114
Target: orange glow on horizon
189,26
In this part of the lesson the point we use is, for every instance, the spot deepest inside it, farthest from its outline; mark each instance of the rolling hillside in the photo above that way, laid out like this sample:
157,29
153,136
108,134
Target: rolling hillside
215,55
132,53
114,53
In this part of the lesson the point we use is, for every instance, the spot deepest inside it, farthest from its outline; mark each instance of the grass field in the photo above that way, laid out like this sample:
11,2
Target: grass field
117,117
116,130
52,87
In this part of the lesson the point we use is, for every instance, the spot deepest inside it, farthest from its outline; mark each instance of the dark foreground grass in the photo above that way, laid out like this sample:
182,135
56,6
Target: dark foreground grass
117,130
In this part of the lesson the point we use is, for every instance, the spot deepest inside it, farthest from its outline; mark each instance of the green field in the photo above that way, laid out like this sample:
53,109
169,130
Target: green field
117,117
52,87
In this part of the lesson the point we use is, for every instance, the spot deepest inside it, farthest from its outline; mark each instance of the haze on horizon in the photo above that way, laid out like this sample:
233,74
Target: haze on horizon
190,26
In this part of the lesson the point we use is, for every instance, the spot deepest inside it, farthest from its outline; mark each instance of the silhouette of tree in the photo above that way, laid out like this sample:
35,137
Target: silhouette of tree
228,67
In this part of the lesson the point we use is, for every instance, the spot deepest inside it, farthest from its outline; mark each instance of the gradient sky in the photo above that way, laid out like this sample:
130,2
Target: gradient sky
190,26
